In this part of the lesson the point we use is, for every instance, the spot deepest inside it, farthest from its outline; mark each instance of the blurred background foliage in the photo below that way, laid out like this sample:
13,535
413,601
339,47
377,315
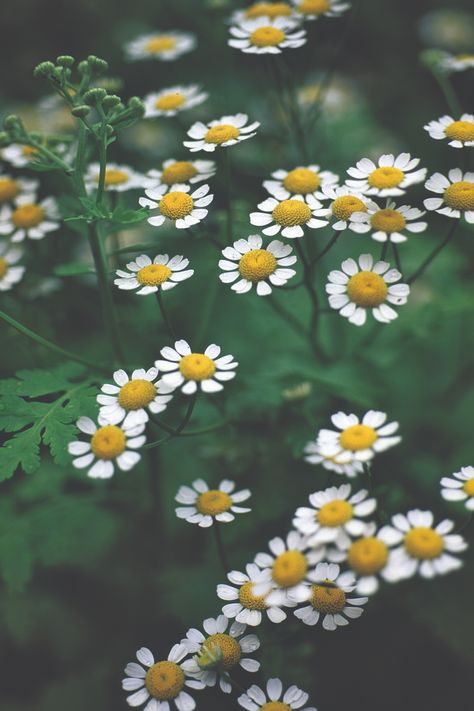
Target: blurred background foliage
91,571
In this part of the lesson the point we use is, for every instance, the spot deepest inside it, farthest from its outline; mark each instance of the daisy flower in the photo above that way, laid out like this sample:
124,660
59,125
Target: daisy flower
185,209
188,370
288,216
327,596
147,276
461,488
344,203
10,188
219,650
389,177
169,102
252,265
174,171
204,506
387,223
358,287
313,455
459,133
424,549
358,441
27,218
458,63
221,133
263,9
165,46
253,591
255,698
108,445
159,683
303,181
21,155
118,178
314,9
457,191
10,274
336,516
267,36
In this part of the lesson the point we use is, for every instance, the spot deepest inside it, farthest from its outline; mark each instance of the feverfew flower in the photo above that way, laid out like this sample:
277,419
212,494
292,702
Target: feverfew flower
457,192
303,180
388,223
288,216
107,445
359,441
460,133
266,36
358,287
252,592
255,698
165,46
221,133
252,265
185,209
173,100
461,488
29,219
188,370
344,203
118,178
10,274
204,506
314,9
21,155
314,455
147,276
177,172
458,63
263,9
128,399
10,188
389,177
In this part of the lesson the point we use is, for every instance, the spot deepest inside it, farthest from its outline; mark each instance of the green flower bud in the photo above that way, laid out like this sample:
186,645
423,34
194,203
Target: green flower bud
43,69
13,123
83,67
95,96
431,58
111,101
65,60
137,105
96,64
80,111
109,130
4,139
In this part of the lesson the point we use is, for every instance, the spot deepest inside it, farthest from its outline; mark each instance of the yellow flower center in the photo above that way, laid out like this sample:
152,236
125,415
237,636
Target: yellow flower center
267,36
9,189
314,7
154,274
108,442
367,556
157,45
344,206
460,196
176,205
113,176
249,600
179,172
164,680
291,212
197,366
424,543
289,568
468,485
357,437
275,706
168,102
221,133
386,177
29,151
257,264
460,131
136,394
328,599
302,181
465,57
335,513
268,9
3,267
228,648
367,289
388,221
29,215
213,502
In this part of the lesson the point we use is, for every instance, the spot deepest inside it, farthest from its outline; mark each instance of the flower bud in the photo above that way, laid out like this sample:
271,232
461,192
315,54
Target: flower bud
137,105
65,60
4,139
111,101
13,123
96,64
83,67
43,69
109,129
95,96
80,111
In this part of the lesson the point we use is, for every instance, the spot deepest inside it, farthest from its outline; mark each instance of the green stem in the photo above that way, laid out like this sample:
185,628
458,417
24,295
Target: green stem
326,249
102,164
448,92
50,155
220,546
168,324
313,296
178,430
228,181
80,160
396,255
287,316
424,265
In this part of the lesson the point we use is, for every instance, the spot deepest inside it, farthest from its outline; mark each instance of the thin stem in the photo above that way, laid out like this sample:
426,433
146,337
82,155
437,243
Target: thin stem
102,164
228,182
50,155
180,427
313,296
287,316
192,433
220,546
326,249
396,255
80,160
384,249
159,298
448,92
424,265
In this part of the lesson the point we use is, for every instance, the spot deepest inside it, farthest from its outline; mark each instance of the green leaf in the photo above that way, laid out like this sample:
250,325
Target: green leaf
73,269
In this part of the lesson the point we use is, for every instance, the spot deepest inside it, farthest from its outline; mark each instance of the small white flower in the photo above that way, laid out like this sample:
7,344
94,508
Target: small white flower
220,133
118,178
303,181
253,592
165,46
252,265
177,172
20,155
176,204
335,516
128,399
388,223
258,9
10,274
457,63
10,188
204,505
27,219
344,203
457,192
264,35
255,698
188,370
460,133
147,276
314,9
173,100
357,441
288,216
461,488
313,455
355,288
388,178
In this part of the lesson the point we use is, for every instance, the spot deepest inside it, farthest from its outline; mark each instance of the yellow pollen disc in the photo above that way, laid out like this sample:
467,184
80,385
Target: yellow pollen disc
114,177
327,599
386,177
344,206
3,267
275,706
367,556
468,485
302,181
176,205
314,7
29,151
160,44
257,264
164,680
289,568
9,189
168,102
335,513
213,502
108,442
460,131
197,366
424,543
29,215
291,212
357,437
154,274
460,196
268,9
221,133
249,600
267,36
465,57
229,648
179,172
388,221
136,394
367,289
